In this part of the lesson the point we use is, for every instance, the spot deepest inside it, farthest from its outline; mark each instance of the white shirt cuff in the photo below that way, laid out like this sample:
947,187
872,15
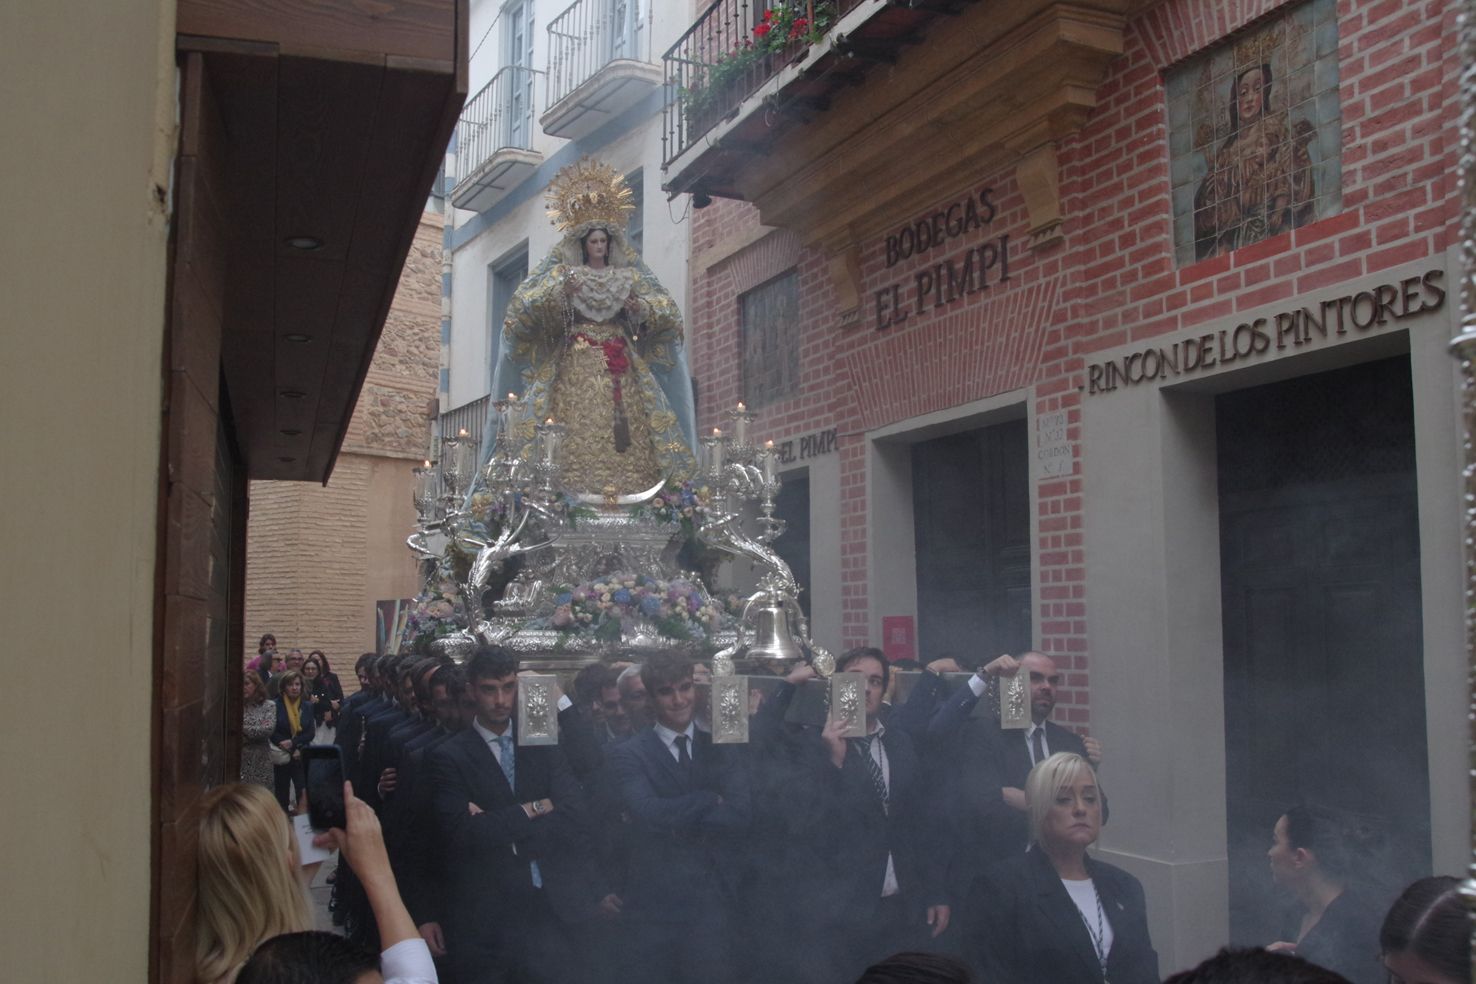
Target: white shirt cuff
977,685
408,962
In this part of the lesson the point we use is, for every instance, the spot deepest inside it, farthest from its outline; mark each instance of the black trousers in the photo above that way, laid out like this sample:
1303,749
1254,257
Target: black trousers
283,776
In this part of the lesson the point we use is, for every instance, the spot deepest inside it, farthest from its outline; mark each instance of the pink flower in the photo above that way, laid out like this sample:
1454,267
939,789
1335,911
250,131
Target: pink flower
562,616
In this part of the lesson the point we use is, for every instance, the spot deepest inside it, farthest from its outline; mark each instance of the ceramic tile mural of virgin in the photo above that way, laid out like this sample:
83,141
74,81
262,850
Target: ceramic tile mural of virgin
1255,134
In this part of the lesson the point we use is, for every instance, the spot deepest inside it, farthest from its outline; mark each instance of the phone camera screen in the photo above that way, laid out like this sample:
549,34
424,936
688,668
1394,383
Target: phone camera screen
325,788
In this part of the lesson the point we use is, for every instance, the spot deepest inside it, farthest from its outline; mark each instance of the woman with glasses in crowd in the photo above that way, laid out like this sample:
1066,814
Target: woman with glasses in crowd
323,689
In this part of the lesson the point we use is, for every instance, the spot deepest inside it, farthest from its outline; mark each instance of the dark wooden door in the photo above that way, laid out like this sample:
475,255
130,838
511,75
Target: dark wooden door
1324,682
793,506
971,515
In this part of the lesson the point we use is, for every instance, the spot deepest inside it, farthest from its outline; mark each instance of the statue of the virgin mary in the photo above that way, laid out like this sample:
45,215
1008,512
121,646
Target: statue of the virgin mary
594,342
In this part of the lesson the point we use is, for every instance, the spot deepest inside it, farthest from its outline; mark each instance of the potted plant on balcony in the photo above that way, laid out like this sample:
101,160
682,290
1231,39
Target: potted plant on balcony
714,89
791,26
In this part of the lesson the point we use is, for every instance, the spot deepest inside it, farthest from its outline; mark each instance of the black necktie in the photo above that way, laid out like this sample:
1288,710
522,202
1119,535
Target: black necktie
1037,744
878,780
684,758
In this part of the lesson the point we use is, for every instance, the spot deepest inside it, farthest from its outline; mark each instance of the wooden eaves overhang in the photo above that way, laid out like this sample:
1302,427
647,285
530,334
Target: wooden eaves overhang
906,102
329,122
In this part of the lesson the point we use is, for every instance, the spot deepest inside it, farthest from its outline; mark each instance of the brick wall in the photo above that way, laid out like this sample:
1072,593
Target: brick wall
316,557
1110,282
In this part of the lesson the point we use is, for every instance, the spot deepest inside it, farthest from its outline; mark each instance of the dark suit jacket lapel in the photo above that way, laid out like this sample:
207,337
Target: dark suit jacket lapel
1109,887
1053,900
656,750
487,765
1016,758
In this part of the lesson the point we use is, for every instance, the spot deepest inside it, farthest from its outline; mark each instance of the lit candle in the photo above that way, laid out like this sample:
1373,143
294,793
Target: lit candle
461,433
740,426
770,462
715,452
548,436
424,495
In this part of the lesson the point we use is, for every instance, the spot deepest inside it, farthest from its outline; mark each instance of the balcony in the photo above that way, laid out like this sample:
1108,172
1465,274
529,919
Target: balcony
599,65
799,121
470,417
494,140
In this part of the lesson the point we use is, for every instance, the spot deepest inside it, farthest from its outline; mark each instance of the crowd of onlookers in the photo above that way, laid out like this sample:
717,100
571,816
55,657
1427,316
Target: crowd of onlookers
290,700
936,847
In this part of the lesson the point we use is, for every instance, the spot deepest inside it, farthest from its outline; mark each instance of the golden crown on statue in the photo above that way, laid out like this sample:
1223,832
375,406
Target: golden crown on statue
589,192
1258,47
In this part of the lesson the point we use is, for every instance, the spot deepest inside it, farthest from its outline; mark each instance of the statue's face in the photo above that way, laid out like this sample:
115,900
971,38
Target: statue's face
597,247
1249,94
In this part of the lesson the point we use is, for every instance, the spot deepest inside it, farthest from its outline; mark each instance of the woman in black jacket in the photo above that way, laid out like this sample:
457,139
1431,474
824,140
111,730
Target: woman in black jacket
322,689
1316,856
293,733
1053,913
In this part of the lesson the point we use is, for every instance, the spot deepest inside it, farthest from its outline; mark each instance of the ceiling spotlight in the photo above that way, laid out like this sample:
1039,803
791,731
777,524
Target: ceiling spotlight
305,242
701,199
292,394
290,431
298,337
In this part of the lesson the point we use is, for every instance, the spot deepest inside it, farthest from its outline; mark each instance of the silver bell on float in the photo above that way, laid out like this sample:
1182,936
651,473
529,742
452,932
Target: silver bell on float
766,617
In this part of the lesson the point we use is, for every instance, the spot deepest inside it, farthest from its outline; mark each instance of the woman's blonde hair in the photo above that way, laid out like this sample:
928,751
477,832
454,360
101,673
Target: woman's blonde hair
249,889
1047,780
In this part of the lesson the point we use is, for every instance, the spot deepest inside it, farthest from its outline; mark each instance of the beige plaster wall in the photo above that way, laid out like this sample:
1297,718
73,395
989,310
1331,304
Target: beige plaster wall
84,164
319,557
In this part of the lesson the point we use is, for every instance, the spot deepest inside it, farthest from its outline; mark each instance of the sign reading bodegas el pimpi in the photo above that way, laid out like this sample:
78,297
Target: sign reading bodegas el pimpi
1292,328
951,279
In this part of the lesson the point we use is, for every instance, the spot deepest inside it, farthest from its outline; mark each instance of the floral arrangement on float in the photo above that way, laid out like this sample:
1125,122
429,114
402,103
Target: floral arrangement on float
489,511
610,606
679,502
437,613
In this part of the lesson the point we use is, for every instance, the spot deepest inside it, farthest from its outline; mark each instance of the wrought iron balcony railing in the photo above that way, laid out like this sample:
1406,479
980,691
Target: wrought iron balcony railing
469,417
499,117
733,48
590,35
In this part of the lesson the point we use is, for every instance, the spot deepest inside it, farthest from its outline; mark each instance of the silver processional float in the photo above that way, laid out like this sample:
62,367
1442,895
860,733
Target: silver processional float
564,542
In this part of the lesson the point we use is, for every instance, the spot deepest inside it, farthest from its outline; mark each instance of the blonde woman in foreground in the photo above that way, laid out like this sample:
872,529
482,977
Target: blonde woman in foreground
252,886
250,882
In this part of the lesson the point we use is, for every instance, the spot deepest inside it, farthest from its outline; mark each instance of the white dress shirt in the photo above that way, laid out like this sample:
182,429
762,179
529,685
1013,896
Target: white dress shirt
669,737
492,738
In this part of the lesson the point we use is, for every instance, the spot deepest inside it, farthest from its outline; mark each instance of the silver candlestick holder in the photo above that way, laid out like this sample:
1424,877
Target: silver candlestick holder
546,451
740,427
